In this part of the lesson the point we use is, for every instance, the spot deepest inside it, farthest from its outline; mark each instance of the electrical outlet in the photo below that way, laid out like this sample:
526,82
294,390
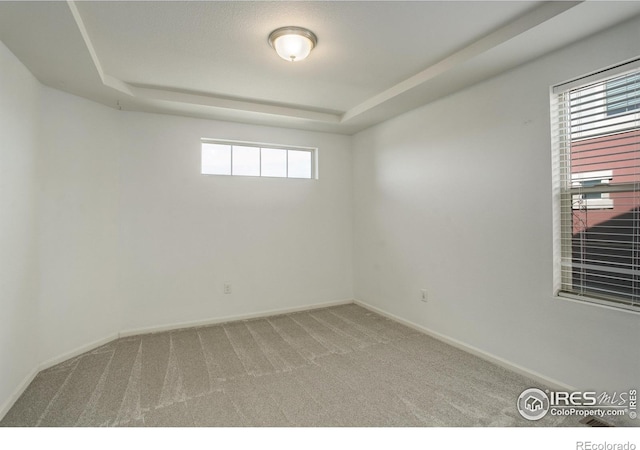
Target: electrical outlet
227,288
424,295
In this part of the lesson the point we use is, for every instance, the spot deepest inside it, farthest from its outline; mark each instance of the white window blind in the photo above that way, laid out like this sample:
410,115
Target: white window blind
597,138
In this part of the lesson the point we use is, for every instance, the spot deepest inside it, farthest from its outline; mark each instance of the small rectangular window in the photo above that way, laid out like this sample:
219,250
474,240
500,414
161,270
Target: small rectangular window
591,200
257,160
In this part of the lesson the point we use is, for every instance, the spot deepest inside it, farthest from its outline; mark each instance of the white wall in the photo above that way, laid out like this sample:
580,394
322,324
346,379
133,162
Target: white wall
19,119
107,225
79,301
134,237
281,243
455,197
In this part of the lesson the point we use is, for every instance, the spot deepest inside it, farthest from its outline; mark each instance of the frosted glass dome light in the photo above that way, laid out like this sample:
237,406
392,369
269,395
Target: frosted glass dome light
292,43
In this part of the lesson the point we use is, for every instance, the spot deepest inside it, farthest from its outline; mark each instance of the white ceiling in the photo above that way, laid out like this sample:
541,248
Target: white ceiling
373,60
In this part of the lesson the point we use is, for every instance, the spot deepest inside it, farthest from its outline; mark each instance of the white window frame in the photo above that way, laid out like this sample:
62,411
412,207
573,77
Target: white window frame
562,203
260,146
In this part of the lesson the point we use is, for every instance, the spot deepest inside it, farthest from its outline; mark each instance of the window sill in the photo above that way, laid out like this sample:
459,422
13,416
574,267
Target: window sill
596,303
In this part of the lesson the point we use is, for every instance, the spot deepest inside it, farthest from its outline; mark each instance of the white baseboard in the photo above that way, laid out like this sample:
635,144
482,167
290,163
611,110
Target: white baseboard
6,406
78,351
219,320
538,377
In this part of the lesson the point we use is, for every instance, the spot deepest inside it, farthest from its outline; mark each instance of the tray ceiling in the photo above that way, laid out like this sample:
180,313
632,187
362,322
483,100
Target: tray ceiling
374,60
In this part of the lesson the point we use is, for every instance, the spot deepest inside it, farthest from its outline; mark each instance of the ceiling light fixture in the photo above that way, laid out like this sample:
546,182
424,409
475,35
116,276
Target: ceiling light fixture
292,43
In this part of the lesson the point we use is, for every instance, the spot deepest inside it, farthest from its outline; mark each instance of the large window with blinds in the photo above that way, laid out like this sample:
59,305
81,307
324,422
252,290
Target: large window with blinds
596,127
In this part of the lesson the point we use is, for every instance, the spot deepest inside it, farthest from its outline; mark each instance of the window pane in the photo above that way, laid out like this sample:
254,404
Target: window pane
216,159
246,161
299,164
274,162
623,94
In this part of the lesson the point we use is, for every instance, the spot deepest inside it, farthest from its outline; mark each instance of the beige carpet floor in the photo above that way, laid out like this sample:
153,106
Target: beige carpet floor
338,366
